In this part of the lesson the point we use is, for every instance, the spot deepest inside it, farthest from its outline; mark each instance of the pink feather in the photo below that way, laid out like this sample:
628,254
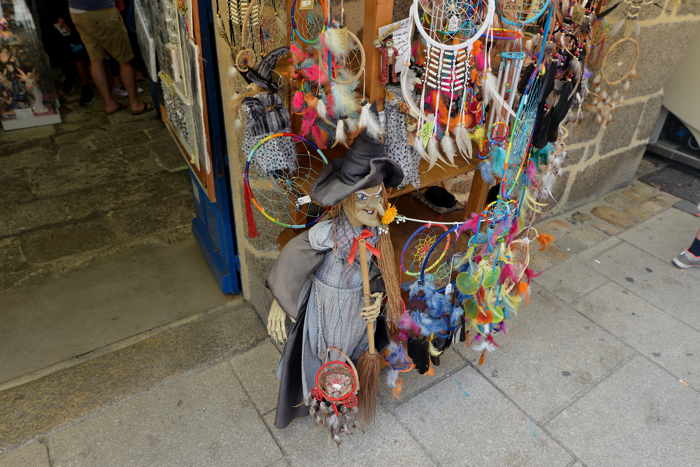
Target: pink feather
314,73
298,101
531,172
308,120
507,273
470,225
531,274
319,136
298,55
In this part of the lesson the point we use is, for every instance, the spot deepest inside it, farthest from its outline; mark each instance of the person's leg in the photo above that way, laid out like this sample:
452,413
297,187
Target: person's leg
99,76
691,257
126,71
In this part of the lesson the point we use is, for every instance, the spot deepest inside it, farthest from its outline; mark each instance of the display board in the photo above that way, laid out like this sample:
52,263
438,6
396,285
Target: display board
27,94
169,32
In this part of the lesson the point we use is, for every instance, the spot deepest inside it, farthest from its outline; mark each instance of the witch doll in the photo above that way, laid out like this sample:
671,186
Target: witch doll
317,280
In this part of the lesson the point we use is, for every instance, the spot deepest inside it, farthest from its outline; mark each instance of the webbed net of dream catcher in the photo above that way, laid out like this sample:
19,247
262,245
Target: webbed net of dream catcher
282,195
452,21
521,12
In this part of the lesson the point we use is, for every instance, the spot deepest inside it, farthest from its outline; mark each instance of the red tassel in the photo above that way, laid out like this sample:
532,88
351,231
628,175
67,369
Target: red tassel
252,228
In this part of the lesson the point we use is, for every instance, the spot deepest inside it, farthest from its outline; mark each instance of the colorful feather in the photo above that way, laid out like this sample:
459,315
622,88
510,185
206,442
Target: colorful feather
298,101
486,173
308,120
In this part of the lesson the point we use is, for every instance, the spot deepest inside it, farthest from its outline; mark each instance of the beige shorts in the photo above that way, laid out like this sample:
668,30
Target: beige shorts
103,32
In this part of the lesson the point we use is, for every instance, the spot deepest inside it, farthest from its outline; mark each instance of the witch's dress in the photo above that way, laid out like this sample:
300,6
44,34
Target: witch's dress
316,286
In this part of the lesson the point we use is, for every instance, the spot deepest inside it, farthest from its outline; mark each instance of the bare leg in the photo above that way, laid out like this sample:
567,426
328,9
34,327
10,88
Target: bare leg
129,80
99,76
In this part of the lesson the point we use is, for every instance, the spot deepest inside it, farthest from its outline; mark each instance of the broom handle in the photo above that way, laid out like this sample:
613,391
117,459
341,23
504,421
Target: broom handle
364,268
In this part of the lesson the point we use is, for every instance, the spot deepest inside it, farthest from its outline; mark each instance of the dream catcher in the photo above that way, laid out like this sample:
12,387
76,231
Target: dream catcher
308,20
417,247
439,98
254,29
279,187
521,13
333,401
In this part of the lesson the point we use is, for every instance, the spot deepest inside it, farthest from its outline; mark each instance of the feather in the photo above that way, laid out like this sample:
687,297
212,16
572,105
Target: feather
433,152
490,88
232,71
464,144
448,147
352,125
337,41
369,123
308,121
419,148
340,136
498,161
298,55
344,100
319,136
314,73
321,109
298,101
486,175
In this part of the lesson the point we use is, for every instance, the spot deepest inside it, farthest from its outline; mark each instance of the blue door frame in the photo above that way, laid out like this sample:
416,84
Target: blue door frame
214,227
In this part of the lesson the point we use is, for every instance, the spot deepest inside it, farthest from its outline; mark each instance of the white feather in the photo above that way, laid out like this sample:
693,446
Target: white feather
419,148
433,152
340,136
338,41
447,145
352,125
491,93
369,123
464,143
321,109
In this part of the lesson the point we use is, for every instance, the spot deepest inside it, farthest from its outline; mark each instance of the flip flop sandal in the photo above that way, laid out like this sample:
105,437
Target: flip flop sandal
146,108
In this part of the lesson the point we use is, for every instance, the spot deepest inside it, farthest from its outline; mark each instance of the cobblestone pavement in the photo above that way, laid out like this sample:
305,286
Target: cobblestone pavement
602,368
87,187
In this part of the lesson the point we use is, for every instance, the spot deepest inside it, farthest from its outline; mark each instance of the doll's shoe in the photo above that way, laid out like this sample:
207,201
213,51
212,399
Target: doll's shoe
686,260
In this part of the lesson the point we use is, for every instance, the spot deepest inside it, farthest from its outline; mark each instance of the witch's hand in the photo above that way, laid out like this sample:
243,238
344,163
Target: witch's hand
276,327
371,312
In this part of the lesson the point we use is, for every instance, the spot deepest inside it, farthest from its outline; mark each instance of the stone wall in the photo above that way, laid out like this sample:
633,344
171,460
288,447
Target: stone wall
599,160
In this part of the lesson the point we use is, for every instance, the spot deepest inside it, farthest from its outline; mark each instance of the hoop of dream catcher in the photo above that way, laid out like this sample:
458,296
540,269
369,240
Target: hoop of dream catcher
628,71
444,237
282,195
337,382
347,66
520,13
417,247
307,25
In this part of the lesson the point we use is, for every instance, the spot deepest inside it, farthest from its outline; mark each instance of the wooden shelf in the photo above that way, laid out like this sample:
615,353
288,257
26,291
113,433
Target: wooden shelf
435,176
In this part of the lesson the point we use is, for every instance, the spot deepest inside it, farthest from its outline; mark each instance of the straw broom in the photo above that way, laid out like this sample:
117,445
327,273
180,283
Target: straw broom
370,362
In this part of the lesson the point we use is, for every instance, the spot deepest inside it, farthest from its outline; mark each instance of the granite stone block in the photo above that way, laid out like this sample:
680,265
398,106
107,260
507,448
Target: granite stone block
640,416
664,235
205,420
30,455
257,371
642,326
480,420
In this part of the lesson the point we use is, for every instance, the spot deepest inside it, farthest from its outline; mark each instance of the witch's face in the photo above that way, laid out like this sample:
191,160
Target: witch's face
365,207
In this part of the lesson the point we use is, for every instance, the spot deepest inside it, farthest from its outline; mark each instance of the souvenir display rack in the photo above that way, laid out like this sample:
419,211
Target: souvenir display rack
27,94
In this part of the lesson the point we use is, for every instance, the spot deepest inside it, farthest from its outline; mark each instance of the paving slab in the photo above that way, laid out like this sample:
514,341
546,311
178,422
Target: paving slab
112,299
30,455
257,371
43,404
652,332
664,235
656,281
386,442
550,356
571,279
413,383
640,416
202,419
464,420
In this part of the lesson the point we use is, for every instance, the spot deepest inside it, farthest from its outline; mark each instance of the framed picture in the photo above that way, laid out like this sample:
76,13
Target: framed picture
146,40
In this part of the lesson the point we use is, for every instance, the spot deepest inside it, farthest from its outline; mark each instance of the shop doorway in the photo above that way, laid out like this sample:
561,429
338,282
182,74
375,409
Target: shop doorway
96,242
